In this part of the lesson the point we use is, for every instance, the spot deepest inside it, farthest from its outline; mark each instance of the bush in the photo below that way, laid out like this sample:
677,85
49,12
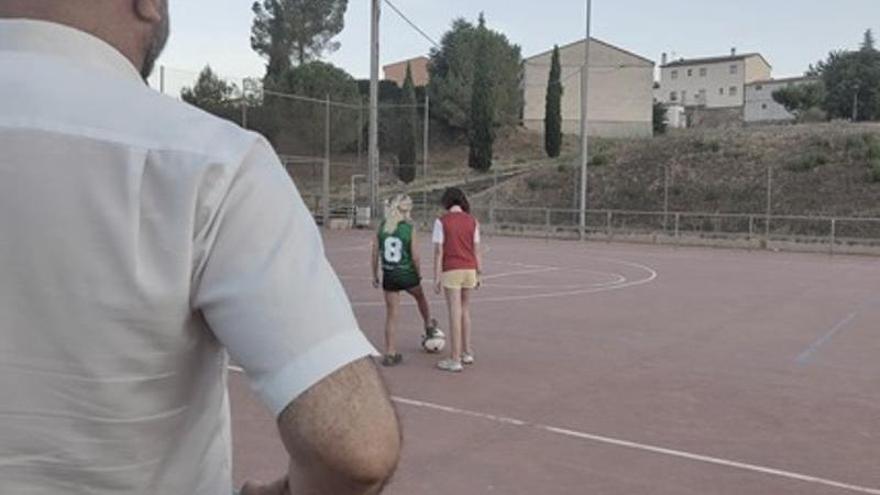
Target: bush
710,145
874,171
599,160
808,162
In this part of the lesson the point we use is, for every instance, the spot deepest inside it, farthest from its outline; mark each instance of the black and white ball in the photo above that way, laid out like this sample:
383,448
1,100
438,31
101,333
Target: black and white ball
436,343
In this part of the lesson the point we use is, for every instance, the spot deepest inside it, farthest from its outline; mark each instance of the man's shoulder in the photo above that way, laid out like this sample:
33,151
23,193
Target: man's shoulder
175,125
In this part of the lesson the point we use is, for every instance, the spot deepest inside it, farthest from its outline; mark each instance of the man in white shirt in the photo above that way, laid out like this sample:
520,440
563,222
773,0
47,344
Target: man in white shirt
140,240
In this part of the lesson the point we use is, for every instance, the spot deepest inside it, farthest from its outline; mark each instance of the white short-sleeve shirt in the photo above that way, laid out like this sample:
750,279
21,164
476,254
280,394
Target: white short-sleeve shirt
140,239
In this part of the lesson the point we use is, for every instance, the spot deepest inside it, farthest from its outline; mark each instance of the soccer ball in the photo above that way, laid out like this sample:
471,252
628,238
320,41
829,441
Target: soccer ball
434,344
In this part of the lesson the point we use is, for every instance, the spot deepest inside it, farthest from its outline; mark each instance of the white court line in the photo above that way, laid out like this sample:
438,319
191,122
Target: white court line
779,473
718,461
805,356
652,275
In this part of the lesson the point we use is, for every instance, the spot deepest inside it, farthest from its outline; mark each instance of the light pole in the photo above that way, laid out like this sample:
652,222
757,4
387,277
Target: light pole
585,89
374,107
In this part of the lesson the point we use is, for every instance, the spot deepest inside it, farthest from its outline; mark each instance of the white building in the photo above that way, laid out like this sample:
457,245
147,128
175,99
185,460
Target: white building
760,105
714,82
620,98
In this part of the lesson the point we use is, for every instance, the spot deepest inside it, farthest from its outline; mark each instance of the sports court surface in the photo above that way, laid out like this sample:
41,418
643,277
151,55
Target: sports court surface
626,369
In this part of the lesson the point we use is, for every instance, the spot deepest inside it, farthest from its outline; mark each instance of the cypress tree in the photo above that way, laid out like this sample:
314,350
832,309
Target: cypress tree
482,108
553,108
406,155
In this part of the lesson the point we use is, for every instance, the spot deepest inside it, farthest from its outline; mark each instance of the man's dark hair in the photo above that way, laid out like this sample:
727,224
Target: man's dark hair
454,196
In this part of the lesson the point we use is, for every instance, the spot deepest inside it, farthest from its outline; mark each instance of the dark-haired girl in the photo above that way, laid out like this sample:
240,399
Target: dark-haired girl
457,269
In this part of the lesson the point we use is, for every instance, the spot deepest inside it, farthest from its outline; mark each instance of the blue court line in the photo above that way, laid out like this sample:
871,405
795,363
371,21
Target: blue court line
805,356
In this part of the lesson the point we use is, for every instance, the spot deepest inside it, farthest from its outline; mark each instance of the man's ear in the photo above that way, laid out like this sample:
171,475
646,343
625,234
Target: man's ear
148,10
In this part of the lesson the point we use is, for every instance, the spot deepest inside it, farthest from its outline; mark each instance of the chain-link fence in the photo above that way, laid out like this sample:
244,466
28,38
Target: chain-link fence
323,145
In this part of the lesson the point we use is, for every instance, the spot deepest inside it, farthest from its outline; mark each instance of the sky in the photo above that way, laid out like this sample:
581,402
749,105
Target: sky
791,34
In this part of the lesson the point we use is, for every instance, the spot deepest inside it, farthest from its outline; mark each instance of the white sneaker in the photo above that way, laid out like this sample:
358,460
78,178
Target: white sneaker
467,358
450,365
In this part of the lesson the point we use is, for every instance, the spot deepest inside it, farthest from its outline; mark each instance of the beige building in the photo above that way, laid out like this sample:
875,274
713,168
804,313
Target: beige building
714,82
760,105
620,97
397,71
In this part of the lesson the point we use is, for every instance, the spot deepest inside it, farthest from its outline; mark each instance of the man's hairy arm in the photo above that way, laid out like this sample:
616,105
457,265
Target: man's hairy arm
342,436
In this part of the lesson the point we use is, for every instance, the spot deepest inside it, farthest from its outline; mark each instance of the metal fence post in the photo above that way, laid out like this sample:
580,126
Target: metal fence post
325,184
769,206
608,227
677,227
666,198
833,234
547,223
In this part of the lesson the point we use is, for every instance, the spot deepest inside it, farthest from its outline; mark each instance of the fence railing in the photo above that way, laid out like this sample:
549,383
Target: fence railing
753,231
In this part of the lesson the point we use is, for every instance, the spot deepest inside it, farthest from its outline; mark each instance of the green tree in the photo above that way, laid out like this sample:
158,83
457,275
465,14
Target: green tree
868,41
659,118
852,82
801,98
406,155
214,95
553,108
482,126
298,125
295,30
453,68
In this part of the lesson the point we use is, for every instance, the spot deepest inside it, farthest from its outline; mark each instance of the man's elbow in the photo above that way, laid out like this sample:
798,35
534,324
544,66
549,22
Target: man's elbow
374,462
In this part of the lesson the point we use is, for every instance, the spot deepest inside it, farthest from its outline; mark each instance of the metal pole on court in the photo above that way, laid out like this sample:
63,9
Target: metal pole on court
374,107
162,79
325,184
769,205
585,86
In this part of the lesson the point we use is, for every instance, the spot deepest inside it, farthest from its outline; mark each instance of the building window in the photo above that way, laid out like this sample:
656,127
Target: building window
703,72
673,96
734,69
759,87
720,91
732,91
690,72
674,74
702,96
684,97
763,106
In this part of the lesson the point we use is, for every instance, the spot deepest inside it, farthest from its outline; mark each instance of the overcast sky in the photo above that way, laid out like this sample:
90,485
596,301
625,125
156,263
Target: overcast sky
791,34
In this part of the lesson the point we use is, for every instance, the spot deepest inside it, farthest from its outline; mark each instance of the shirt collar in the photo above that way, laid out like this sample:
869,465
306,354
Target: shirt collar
58,40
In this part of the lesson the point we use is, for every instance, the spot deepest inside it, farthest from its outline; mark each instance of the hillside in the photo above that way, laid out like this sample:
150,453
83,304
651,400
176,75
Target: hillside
823,169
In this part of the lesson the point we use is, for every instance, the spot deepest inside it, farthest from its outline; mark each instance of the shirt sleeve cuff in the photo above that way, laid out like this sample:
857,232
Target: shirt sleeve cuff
279,389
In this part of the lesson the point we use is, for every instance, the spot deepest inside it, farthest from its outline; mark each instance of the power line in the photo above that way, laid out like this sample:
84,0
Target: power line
412,24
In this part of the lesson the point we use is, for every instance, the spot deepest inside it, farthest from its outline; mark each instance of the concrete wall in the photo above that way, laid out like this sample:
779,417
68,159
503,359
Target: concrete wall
620,101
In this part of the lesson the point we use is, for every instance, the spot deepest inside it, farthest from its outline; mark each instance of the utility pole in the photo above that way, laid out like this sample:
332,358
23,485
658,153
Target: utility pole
585,90
374,175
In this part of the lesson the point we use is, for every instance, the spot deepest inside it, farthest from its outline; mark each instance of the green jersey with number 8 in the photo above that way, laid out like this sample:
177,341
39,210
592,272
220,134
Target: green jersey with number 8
395,250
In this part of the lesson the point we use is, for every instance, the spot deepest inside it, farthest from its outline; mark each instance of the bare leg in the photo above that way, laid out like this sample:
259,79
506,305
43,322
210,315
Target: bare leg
424,308
466,320
392,301
453,300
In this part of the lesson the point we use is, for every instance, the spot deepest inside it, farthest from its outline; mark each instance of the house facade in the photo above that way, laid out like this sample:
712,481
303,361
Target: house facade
620,90
397,71
760,107
712,82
